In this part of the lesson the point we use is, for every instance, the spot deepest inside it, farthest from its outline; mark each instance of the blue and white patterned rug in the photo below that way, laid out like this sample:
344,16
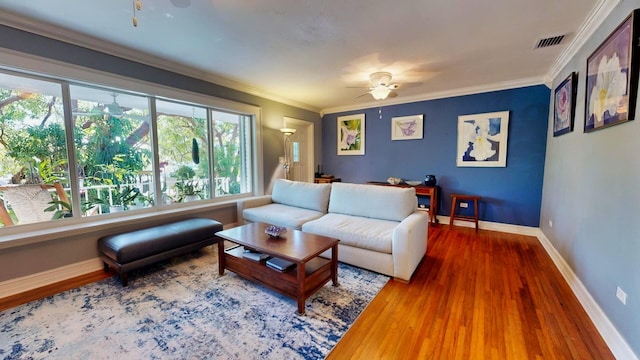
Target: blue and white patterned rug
182,309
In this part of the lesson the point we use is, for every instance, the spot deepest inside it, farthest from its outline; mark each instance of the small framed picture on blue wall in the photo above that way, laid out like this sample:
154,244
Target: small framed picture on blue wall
482,139
564,105
406,127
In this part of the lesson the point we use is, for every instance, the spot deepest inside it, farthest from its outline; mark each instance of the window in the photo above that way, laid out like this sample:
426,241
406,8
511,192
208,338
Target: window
33,151
126,150
184,157
231,152
113,151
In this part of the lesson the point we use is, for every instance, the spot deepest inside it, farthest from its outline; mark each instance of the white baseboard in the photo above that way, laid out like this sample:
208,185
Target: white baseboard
34,281
493,226
617,344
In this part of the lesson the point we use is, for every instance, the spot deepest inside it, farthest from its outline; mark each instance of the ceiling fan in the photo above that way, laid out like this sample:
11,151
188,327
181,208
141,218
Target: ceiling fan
113,109
380,86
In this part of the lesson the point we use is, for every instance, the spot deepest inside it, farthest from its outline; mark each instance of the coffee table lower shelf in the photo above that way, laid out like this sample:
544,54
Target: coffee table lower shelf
299,282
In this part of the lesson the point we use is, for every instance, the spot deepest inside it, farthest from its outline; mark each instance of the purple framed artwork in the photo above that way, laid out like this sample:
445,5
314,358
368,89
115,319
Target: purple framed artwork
351,134
612,77
406,127
564,105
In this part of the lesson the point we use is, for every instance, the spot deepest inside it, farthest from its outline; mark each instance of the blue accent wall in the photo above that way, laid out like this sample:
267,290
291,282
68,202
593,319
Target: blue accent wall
510,195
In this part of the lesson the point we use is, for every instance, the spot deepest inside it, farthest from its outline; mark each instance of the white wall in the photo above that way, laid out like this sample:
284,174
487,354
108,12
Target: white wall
591,195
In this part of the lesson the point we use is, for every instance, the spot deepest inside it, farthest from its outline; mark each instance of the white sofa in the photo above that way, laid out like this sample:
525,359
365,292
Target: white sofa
379,227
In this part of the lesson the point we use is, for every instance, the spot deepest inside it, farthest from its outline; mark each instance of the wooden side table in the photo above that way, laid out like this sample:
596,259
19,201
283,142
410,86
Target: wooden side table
455,199
323,180
432,193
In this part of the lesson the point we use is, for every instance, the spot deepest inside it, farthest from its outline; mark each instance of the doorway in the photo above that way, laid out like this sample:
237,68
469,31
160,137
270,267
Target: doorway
301,149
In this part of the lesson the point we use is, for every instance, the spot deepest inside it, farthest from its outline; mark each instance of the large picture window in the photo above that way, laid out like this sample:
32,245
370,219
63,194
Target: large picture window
127,151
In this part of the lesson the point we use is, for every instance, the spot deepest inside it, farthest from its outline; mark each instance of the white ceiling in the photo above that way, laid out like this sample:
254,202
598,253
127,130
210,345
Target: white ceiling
310,52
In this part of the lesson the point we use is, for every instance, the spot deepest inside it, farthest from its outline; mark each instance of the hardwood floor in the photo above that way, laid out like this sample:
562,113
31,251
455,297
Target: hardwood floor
35,294
484,295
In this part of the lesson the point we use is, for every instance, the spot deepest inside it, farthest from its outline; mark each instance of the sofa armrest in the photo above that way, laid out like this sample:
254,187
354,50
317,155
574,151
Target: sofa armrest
250,203
409,244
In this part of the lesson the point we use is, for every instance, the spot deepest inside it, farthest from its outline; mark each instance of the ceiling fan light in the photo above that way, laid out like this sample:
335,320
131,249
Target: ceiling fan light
380,92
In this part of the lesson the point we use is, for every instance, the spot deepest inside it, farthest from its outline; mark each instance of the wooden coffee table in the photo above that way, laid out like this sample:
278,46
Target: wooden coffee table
310,273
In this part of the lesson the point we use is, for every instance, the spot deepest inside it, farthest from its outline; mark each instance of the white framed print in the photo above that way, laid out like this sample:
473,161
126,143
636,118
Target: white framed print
351,134
406,127
482,139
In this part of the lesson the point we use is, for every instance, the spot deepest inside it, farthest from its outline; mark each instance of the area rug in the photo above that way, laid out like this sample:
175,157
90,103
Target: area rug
182,309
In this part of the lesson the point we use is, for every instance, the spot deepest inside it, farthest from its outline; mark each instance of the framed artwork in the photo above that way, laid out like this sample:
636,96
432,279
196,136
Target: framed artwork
406,127
482,139
612,78
564,105
351,134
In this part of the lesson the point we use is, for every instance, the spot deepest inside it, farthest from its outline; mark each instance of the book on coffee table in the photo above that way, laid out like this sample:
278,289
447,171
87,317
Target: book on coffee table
254,255
280,264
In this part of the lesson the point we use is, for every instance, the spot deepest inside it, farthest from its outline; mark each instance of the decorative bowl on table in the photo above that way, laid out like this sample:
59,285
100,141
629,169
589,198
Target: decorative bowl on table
275,231
394,180
413,182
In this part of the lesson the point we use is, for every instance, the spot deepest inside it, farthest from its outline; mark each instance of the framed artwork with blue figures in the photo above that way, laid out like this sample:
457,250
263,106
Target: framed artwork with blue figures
564,105
612,77
482,139
407,127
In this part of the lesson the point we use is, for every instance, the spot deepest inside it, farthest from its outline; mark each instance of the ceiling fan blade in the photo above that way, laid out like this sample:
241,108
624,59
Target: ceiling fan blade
392,94
361,95
393,86
411,84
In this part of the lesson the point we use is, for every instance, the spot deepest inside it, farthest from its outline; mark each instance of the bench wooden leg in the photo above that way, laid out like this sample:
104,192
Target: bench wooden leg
124,279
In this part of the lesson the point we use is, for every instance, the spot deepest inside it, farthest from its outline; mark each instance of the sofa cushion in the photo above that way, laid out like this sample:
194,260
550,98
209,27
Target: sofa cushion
281,215
301,194
373,201
361,232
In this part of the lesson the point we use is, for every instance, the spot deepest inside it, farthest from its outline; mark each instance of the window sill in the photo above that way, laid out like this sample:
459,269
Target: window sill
23,235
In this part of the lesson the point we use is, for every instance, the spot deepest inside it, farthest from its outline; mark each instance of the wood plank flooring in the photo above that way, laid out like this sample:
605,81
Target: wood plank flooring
484,295
35,294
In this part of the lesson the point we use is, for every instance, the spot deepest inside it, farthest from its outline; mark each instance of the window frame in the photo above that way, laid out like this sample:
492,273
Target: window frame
26,65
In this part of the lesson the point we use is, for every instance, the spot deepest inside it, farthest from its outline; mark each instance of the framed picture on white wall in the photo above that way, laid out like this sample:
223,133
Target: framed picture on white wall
564,105
612,77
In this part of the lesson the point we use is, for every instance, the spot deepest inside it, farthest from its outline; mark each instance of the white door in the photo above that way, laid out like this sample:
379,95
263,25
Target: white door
301,150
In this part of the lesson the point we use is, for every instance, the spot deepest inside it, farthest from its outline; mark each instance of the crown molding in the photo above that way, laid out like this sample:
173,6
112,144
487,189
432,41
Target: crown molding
505,85
597,16
93,43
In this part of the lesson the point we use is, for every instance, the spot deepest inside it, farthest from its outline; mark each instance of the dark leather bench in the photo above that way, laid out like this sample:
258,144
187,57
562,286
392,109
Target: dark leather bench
131,250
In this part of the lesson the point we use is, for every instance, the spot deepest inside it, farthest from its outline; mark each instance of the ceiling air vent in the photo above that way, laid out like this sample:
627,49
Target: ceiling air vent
550,41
